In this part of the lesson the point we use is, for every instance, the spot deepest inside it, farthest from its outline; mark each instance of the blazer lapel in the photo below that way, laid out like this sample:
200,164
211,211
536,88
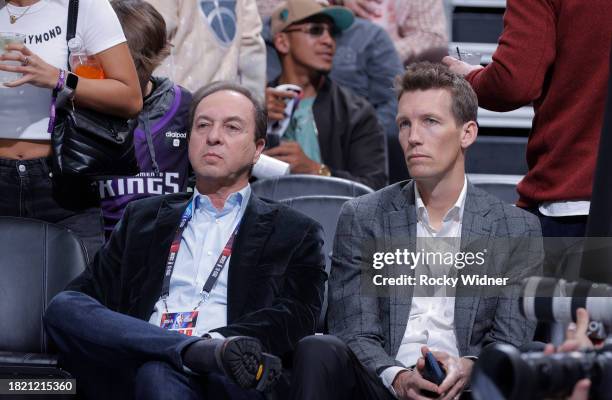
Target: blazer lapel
166,223
256,226
400,232
475,231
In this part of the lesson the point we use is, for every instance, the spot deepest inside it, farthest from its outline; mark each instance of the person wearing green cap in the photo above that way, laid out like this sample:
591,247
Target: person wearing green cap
332,132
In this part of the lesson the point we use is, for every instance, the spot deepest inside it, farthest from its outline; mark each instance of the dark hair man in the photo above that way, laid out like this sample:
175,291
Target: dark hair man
382,339
332,132
190,290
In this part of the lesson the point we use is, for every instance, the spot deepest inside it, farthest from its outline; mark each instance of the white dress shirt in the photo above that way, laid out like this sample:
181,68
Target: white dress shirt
432,319
203,239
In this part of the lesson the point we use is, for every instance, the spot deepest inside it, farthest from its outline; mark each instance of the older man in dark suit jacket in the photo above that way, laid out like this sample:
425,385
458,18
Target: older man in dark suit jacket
383,333
160,313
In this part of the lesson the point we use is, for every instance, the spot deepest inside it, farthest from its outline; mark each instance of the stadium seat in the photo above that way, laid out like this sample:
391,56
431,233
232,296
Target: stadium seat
289,186
500,186
477,24
487,155
38,261
325,210
497,155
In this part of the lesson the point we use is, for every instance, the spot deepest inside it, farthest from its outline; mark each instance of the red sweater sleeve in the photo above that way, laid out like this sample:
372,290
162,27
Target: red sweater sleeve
525,52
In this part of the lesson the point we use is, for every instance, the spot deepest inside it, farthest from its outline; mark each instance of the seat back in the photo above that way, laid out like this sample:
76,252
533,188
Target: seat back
501,186
497,155
38,260
289,186
325,210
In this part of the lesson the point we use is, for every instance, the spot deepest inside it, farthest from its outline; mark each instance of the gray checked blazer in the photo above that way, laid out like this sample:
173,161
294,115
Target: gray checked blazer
373,325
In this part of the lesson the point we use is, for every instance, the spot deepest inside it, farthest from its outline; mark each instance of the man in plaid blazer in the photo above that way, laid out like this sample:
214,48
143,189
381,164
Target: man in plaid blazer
384,324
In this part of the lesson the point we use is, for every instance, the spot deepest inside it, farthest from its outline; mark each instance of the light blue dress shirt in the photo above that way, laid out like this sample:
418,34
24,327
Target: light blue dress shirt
203,240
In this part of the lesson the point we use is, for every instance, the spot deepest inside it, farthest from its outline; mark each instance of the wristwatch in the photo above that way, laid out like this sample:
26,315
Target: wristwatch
72,80
324,170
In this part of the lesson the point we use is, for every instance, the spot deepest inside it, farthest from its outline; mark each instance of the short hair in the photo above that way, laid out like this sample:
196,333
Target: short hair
259,111
426,75
145,31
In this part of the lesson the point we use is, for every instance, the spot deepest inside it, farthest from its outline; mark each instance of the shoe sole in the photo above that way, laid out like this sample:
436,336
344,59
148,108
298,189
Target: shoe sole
246,364
271,372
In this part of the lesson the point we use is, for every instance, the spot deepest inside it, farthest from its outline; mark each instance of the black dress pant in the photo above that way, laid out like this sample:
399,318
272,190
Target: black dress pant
325,368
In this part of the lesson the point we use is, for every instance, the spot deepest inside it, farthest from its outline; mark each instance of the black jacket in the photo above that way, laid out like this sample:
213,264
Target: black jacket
351,140
276,272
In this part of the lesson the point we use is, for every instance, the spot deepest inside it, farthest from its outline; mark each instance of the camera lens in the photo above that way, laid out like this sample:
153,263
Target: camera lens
502,372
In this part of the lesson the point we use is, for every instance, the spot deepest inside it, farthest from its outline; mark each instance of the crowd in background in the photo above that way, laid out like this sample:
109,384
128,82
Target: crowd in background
344,60
343,127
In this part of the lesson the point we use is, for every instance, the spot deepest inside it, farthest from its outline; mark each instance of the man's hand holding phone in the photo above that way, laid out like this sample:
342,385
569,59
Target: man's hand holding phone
409,384
457,371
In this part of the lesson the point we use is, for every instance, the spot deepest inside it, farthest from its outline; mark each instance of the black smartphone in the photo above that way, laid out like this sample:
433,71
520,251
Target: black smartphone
434,371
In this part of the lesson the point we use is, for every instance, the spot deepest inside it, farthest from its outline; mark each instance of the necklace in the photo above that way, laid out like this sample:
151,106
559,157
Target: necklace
12,17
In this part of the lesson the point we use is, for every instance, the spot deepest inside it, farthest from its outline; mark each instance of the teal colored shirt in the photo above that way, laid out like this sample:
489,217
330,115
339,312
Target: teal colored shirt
302,129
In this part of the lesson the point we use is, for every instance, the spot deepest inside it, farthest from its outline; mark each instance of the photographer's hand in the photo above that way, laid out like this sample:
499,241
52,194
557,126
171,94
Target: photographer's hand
576,339
582,387
576,335
581,390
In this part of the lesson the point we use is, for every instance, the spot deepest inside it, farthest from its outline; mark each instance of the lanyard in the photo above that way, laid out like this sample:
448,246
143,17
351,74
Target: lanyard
214,274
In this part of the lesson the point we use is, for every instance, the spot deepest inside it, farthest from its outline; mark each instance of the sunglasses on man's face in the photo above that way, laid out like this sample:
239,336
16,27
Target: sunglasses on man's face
315,30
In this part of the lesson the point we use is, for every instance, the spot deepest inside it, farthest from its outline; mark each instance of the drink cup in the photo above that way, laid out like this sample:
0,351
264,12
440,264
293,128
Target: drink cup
7,38
269,167
86,66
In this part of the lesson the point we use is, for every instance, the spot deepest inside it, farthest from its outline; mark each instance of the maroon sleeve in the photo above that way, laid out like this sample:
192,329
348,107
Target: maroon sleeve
526,51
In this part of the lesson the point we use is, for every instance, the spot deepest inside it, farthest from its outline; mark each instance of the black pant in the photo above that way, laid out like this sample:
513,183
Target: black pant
572,226
563,238
325,368
115,356
28,189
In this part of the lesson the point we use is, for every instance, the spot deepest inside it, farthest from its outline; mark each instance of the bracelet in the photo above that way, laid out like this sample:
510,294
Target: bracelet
60,80
52,109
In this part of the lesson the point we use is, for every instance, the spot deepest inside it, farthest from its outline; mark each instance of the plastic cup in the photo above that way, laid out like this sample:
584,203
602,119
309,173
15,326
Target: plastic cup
7,38
86,66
